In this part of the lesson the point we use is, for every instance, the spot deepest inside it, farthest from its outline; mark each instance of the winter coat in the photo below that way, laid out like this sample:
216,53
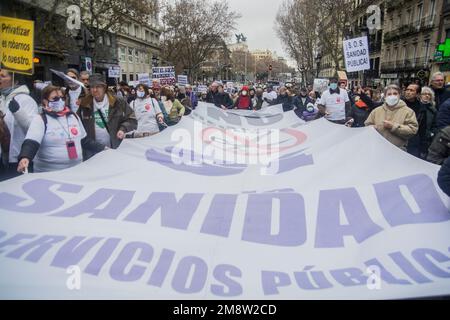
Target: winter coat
404,119
120,117
19,109
444,177
440,148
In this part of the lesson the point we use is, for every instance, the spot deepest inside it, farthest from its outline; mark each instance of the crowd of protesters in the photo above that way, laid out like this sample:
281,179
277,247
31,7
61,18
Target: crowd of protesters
53,128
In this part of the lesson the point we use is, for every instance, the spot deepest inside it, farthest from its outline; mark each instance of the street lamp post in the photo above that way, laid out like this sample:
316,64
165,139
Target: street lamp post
318,60
85,41
302,72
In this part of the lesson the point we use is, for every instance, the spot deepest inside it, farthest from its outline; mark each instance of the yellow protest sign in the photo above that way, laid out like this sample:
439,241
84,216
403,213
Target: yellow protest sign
16,44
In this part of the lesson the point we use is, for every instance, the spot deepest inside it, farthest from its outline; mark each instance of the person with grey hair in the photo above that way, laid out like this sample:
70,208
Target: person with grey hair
394,120
211,97
105,117
84,77
441,91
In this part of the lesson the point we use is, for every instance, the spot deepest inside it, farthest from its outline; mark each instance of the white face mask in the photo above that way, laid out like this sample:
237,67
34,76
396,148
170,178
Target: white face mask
56,106
244,93
140,94
392,101
163,99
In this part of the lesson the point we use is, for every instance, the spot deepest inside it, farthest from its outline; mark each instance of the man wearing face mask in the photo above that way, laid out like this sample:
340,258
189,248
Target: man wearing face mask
285,99
394,120
302,103
17,108
335,104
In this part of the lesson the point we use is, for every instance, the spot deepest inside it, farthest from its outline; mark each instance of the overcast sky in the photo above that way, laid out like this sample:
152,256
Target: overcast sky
257,23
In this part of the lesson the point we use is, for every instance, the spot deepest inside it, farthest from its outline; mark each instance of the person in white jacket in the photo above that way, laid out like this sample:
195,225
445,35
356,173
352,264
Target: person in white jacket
18,108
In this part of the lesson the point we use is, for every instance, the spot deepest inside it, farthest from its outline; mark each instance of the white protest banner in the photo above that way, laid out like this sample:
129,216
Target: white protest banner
182,80
166,75
144,78
308,219
320,85
356,53
114,72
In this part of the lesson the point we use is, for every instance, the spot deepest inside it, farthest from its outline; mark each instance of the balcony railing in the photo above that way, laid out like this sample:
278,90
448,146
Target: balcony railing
419,25
405,65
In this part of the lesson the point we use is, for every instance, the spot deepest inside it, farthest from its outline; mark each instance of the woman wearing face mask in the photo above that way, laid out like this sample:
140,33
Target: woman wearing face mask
148,113
394,120
54,139
244,101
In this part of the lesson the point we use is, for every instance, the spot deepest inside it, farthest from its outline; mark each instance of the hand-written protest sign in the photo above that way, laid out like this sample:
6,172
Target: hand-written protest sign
202,88
17,45
166,75
356,52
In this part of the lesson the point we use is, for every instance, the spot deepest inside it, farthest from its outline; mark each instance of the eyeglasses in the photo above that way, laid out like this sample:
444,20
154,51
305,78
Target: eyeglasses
56,99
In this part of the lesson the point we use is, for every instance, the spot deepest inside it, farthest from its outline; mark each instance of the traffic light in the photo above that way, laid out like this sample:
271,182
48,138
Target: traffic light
270,67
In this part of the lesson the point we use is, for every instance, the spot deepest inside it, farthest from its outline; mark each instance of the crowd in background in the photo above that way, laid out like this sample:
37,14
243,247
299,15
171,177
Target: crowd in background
52,128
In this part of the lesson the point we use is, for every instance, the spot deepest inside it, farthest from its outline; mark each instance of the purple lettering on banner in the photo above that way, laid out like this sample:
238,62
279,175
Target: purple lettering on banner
220,215
421,256
223,274
385,275
408,268
272,280
159,273
174,214
117,271
258,218
45,201
330,233
15,240
73,251
396,209
349,277
102,256
117,201
40,247
199,275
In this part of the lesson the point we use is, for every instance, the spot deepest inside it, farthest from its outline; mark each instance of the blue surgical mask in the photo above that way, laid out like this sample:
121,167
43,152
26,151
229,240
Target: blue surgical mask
333,86
140,94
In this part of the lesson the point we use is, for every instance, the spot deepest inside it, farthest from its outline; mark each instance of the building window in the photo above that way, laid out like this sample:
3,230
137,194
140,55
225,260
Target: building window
124,77
427,50
131,28
447,33
137,31
136,55
100,39
432,8
147,36
130,55
420,11
122,54
108,40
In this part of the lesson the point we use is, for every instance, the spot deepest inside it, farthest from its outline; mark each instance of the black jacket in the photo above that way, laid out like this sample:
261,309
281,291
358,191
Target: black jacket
285,100
444,177
223,99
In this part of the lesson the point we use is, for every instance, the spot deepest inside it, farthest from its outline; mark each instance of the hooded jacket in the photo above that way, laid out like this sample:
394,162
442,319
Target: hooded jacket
404,119
19,109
